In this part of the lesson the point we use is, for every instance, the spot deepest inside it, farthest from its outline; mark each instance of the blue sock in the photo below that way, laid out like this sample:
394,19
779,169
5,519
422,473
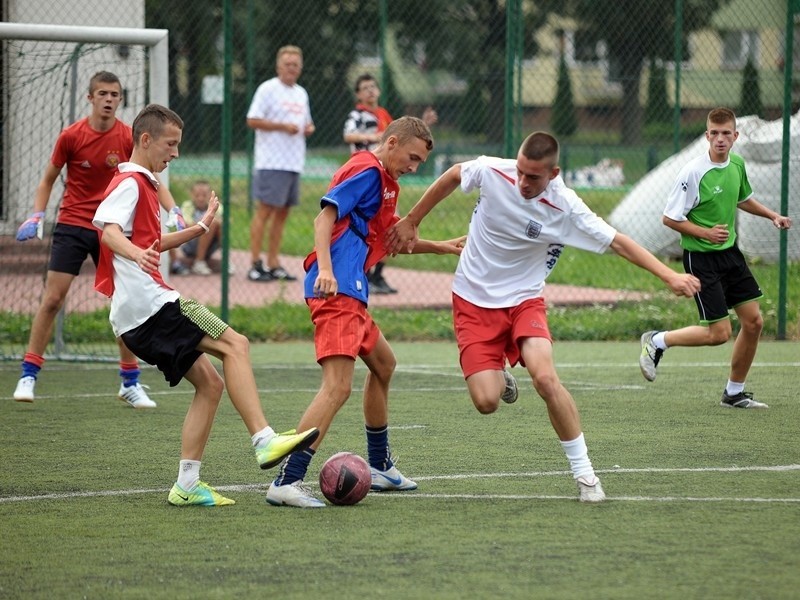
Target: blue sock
294,468
130,377
378,447
30,370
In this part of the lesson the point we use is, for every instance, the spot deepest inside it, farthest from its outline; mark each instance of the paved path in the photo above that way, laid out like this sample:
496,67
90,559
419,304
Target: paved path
21,292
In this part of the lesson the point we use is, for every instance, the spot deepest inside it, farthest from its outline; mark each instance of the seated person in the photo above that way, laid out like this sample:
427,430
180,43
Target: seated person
194,254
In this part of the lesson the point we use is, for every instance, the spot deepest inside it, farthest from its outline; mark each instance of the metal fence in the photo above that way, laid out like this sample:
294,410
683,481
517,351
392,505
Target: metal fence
624,84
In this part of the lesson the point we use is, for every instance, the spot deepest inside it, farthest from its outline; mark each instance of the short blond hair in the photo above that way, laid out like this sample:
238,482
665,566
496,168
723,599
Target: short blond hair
289,50
406,129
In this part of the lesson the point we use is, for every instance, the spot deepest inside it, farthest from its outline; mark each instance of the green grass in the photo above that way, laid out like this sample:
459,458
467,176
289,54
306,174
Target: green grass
698,504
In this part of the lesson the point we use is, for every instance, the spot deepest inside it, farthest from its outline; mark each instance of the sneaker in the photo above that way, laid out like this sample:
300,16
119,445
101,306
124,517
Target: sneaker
24,391
294,494
510,393
590,490
200,267
281,274
390,480
178,268
200,495
136,396
284,444
378,285
258,273
740,400
648,359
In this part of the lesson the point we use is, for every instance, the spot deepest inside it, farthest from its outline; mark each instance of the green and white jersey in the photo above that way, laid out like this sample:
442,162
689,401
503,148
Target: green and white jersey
707,194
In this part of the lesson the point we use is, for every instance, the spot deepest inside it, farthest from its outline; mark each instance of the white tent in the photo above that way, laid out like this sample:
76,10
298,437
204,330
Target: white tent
760,143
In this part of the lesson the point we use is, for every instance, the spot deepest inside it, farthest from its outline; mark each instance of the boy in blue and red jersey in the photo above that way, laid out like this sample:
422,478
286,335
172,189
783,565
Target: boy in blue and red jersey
357,209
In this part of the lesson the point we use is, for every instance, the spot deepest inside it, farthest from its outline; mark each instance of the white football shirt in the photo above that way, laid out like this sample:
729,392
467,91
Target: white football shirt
137,296
514,243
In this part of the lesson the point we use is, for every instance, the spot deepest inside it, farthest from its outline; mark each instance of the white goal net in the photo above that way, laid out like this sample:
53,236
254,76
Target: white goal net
44,88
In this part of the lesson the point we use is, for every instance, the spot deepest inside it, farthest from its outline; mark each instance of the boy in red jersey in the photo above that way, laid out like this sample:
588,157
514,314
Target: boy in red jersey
166,330
357,209
91,149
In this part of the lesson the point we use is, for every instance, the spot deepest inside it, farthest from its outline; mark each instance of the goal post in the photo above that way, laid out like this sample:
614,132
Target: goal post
45,75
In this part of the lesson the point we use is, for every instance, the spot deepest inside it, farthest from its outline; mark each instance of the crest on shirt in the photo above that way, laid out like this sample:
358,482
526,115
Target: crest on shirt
684,185
533,229
112,160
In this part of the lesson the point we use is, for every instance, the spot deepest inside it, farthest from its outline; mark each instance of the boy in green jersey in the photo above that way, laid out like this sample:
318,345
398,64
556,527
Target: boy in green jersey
702,208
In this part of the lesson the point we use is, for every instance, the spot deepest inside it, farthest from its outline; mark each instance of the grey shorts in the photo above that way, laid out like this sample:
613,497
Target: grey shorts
276,188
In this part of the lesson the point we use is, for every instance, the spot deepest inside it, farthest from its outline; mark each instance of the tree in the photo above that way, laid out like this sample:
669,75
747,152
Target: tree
657,109
634,30
750,98
564,119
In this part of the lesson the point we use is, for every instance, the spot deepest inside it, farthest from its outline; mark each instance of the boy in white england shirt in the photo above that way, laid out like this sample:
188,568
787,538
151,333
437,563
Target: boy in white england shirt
523,219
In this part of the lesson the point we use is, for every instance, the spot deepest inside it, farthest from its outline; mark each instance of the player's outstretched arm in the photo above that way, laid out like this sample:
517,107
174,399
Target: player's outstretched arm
681,284
754,207
180,237
454,246
148,259
402,236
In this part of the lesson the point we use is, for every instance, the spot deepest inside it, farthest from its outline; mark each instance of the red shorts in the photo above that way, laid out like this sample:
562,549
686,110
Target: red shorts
342,327
487,336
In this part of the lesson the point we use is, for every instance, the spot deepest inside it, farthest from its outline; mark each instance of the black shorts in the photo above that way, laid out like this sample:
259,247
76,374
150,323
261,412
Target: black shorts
726,282
71,245
169,338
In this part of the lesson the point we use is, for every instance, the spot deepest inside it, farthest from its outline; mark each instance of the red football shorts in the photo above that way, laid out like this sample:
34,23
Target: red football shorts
342,327
487,336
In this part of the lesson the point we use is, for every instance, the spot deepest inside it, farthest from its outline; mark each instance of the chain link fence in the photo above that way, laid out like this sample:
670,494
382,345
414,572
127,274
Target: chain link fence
625,85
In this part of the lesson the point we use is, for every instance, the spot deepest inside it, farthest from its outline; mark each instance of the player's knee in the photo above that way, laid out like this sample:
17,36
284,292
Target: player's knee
52,303
239,343
717,338
485,405
546,385
215,384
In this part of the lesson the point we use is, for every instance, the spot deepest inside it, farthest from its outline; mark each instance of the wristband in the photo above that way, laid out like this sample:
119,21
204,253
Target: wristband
204,226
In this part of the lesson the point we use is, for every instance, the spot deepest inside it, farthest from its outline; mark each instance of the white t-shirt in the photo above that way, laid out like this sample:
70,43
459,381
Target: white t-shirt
514,243
277,150
137,296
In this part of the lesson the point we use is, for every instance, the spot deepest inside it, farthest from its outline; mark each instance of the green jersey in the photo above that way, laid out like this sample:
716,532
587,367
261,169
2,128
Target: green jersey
707,194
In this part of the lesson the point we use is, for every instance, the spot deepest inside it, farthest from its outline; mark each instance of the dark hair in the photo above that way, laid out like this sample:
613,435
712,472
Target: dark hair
408,128
103,77
152,119
540,145
362,78
722,115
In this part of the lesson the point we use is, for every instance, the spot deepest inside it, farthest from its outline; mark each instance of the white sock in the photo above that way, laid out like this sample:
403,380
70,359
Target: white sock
659,340
188,474
578,456
734,388
261,438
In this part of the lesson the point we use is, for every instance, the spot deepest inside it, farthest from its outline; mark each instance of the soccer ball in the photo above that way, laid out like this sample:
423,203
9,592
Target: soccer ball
345,478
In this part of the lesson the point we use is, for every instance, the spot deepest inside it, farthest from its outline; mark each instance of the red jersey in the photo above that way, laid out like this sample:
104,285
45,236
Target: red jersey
146,229
91,158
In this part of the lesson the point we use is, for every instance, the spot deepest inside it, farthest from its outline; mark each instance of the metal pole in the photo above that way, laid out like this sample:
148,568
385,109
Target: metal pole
382,33
678,59
793,6
512,18
227,122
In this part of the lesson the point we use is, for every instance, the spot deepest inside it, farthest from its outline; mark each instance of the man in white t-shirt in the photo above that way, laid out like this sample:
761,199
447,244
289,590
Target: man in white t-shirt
281,117
523,219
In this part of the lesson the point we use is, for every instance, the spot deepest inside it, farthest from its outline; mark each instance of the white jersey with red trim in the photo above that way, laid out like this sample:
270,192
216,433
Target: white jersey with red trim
513,242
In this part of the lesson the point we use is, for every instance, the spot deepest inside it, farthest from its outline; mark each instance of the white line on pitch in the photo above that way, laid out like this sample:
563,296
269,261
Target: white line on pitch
262,486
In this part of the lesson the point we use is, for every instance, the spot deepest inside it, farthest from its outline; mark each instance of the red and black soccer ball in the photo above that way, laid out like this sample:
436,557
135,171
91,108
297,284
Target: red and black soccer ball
345,478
